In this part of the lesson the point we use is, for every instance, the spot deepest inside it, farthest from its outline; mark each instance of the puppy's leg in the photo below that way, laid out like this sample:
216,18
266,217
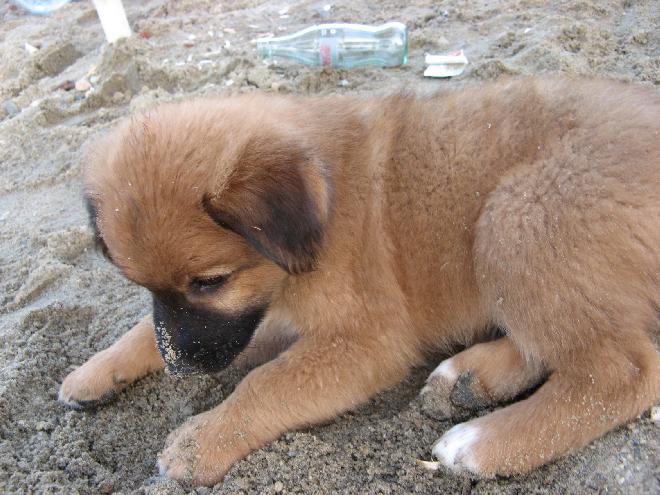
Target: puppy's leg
133,356
480,376
566,260
274,336
577,404
316,379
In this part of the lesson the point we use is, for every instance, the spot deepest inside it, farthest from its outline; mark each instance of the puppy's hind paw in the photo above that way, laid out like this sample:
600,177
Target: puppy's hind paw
451,394
455,449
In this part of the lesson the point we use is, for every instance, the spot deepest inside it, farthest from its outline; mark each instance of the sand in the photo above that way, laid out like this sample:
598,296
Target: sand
61,302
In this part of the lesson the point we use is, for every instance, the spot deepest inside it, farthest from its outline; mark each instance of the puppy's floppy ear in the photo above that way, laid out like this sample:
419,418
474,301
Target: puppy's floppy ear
277,198
92,211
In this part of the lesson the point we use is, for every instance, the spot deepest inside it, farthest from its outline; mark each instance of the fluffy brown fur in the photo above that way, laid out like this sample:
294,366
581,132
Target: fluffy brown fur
377,230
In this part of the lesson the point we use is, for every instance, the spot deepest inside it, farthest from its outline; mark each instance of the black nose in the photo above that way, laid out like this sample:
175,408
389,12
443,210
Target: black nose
193,340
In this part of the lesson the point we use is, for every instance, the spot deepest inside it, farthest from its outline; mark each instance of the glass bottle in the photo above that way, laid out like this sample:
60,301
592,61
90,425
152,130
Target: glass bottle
341,45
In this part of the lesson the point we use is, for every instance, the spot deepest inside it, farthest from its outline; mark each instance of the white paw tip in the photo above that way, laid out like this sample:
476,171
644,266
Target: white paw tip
454,448
445,369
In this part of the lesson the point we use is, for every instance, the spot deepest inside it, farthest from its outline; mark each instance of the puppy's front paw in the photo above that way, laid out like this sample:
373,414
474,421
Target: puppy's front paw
95,382
201,450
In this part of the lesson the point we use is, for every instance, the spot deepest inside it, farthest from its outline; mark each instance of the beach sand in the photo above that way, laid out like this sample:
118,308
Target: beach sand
61,302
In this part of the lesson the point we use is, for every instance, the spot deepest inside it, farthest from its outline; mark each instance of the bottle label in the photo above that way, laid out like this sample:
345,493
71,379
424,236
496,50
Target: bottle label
325,54
329,49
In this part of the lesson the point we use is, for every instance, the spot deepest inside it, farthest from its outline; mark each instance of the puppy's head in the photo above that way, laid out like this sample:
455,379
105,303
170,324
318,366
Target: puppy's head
211,206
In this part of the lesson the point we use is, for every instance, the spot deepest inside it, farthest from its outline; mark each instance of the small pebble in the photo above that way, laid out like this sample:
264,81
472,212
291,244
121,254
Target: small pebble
67,85
82,85
11,108
278,487
430,465
106,487
43,426
655,414
31,49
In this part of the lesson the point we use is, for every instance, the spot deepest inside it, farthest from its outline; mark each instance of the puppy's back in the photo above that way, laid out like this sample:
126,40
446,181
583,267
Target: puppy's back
597,140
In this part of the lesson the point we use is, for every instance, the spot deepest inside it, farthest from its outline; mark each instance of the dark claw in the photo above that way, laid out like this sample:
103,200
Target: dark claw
91,404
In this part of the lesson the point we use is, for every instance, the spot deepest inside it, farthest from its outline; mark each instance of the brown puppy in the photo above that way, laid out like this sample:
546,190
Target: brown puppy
373,231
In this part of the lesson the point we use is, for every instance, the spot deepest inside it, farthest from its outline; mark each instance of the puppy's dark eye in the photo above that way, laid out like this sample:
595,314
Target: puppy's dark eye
207,284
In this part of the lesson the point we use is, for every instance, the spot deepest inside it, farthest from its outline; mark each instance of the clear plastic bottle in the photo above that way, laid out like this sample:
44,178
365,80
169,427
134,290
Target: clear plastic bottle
341,45
41,6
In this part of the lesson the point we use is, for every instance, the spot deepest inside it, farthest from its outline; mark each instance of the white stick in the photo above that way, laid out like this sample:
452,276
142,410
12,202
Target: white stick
113,19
